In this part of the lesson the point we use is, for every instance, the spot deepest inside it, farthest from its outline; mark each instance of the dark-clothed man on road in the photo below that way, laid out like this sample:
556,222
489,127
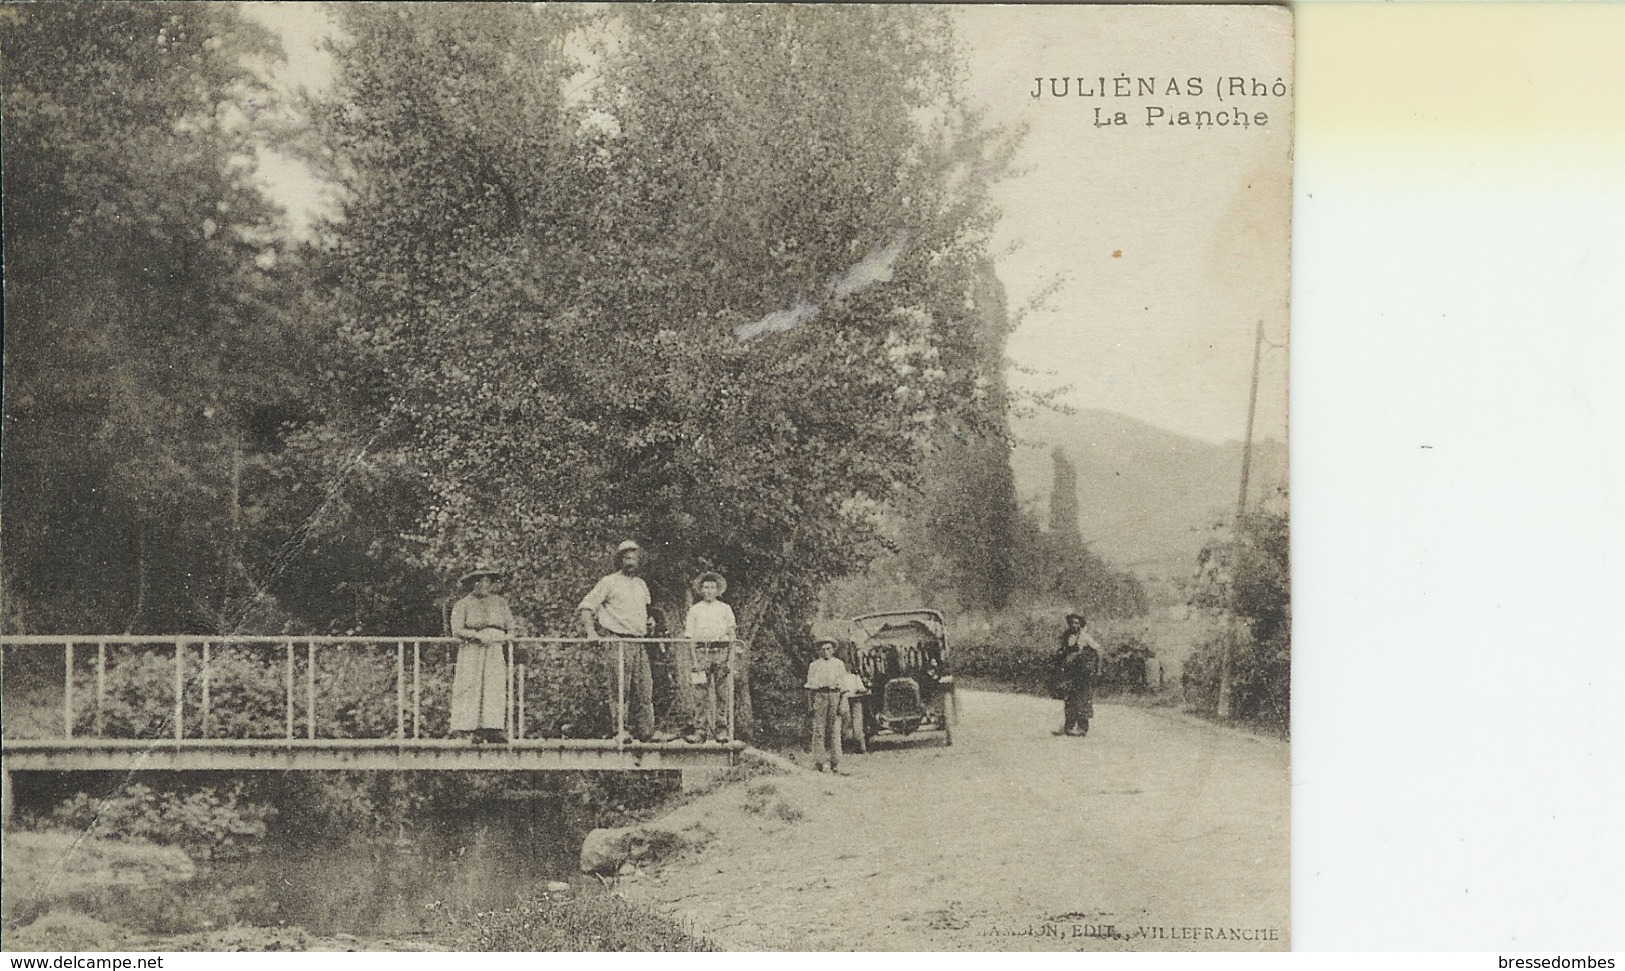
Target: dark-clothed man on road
617,608
1076,665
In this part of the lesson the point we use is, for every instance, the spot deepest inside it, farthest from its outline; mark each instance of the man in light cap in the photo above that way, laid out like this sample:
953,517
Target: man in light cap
617,608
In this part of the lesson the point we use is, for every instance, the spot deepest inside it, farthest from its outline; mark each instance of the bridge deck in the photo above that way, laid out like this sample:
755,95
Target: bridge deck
223,754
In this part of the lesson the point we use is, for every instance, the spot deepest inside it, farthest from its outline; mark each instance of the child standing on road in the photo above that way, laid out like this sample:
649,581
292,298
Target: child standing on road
826,679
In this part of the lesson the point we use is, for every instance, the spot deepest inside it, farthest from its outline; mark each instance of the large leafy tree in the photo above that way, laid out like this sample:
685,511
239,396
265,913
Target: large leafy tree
707,283
960,535
769,161
149,363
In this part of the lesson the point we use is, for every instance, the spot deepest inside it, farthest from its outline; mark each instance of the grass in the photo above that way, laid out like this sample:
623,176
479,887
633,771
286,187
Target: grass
1261,728
763,799
577,923
65,930
56,887
744,770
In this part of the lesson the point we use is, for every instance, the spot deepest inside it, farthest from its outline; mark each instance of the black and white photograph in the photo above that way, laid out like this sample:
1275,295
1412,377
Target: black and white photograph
577,477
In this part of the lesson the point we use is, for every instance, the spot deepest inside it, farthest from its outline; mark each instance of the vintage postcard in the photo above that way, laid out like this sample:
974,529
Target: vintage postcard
489,477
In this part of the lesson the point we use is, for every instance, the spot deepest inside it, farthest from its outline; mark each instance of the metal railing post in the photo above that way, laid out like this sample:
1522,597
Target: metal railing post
508,649
417,689
205,689
180,689
711,686
519,715
101,688
730,680
400,689
310,689
620,688
67,690
289,680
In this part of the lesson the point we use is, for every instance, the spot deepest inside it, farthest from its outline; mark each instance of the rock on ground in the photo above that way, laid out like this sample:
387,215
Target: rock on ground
606,851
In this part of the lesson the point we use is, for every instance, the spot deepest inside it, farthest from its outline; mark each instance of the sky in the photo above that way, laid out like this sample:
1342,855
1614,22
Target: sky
1171,244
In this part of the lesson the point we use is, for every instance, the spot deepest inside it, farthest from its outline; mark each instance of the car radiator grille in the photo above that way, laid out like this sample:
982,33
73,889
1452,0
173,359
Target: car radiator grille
902,698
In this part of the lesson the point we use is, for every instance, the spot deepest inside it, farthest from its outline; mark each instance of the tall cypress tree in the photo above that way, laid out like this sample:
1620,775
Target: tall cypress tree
1063,499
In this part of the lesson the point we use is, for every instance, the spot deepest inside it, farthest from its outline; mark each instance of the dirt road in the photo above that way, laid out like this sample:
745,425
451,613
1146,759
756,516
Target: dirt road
1155,832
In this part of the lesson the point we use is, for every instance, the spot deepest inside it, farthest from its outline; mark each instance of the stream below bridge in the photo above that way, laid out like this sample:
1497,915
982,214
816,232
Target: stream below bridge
403,880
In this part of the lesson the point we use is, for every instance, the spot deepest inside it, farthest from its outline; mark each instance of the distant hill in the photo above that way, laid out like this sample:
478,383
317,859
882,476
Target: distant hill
1147,497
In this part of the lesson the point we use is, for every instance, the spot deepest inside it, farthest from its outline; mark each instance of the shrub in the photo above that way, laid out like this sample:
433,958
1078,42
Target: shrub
1245,581
1260,678
1123,666
1017,650
211,822
567,690
763,799
778,662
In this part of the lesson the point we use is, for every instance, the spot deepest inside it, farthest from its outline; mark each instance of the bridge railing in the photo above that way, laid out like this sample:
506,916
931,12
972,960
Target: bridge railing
202,687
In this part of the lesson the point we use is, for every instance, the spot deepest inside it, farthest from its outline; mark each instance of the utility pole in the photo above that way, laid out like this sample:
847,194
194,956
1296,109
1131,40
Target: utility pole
1252,410
1227,661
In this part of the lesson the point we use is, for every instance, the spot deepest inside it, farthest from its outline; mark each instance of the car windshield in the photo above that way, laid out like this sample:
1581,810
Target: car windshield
929,621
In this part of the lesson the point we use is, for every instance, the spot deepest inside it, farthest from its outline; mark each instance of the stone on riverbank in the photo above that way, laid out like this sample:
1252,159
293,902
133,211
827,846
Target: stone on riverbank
604,851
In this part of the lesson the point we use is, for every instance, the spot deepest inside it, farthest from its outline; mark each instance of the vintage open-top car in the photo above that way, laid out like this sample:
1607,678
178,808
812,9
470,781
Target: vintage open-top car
902,658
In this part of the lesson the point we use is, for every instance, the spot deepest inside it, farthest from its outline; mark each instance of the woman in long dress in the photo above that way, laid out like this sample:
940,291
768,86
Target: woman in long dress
479,691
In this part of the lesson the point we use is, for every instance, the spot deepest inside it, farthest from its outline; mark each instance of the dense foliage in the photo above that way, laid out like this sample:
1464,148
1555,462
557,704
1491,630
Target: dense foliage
150,357
710,278
1015,650
209,823
1245,580
959,537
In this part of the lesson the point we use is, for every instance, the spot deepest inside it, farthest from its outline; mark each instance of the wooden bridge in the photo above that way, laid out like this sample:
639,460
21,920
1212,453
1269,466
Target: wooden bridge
196,703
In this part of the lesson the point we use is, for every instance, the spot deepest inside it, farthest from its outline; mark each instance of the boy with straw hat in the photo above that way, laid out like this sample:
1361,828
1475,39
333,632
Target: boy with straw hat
712,626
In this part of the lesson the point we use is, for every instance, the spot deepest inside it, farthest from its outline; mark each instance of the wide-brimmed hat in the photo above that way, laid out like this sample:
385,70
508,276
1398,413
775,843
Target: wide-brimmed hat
712,575
626,547
481,571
